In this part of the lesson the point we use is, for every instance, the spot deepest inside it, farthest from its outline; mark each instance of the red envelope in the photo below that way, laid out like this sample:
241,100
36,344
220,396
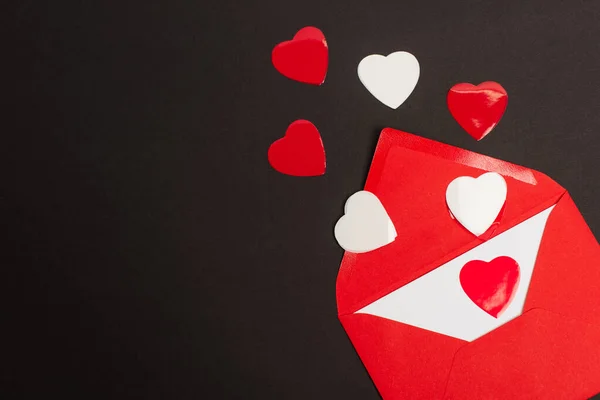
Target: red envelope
550,351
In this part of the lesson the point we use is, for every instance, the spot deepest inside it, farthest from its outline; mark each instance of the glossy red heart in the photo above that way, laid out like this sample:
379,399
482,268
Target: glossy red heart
304,58
492,285
478,109
300,152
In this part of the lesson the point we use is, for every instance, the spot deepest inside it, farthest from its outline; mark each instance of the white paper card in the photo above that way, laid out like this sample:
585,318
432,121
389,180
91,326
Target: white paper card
437,302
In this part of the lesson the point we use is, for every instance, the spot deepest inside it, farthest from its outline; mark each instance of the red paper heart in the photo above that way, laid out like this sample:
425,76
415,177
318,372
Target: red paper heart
492,285
477,109
300,152
303,58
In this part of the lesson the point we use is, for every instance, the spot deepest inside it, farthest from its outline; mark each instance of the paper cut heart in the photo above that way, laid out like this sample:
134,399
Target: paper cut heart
477,202
300,152
365,225
390,79
492,285
304,58
478,109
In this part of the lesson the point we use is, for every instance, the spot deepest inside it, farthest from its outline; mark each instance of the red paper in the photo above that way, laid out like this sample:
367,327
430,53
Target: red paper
304,58
552,350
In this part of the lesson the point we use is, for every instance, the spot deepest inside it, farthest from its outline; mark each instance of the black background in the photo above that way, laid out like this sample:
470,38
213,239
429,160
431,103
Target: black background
149,249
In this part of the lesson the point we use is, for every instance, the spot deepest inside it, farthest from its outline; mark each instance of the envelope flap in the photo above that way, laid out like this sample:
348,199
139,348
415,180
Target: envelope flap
410,175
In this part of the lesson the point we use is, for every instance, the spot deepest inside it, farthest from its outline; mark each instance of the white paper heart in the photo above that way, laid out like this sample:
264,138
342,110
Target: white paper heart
390,79
365,225
476,202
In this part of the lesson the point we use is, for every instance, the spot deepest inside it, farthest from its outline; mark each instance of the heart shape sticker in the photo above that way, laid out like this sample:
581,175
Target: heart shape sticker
477,202
491,286
390,79
304,58
300,152
478,109
365,225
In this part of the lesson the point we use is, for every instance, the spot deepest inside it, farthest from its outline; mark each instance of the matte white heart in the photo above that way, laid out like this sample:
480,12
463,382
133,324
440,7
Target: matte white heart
476,202
390,79
365,225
